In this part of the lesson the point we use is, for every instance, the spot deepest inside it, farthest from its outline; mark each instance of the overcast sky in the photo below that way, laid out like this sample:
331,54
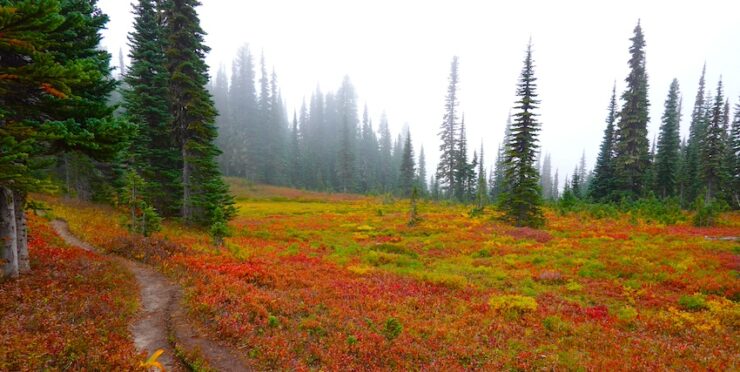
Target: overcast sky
398,53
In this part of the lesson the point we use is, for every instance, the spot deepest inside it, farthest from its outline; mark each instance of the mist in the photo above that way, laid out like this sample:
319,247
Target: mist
397,55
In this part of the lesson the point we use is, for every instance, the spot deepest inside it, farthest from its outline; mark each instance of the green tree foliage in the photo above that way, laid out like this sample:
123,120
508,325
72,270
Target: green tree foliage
669,142
691,172
143,218
713,150
448,135
407,173
734,166
521,203
631,159
193,113
153,151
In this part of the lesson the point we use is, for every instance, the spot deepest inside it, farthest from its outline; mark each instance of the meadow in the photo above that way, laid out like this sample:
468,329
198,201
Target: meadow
312,281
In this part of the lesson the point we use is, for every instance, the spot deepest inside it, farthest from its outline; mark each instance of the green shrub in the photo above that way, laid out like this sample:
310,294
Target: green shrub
693,303
392,329
513,304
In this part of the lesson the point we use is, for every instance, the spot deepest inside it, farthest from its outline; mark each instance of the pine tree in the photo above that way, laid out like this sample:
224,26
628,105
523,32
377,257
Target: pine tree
407,170
669,142
521,203
713,150
583,176
448,135
631,149
498,186
193,116
296,179
155,154
556,186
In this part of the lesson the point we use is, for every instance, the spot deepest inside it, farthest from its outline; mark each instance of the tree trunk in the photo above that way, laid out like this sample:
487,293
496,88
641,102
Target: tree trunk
186,207
8,235
21,225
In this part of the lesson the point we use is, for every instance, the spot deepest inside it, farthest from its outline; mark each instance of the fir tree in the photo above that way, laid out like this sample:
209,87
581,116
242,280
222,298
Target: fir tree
421,174
631,149
546,178
697,128
155,154
461,165
669,142
498,186
603,182
734,150
522,202
408,168
385,147
713,150
193,113
482,187
448,135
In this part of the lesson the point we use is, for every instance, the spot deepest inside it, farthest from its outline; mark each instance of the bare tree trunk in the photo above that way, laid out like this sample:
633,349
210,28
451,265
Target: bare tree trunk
187,212
21,225
8,235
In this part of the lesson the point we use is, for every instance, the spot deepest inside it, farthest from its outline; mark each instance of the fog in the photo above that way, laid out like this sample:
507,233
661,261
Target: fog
397,54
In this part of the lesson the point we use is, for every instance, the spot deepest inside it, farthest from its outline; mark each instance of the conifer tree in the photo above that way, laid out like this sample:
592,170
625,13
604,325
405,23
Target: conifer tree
482,187
603,182
697,128
669,142
408,168
448,135
546,178
154,152
193,114
521,203
735,156
385,147
713,150
498,186
421,176
461,165
296,180
631,159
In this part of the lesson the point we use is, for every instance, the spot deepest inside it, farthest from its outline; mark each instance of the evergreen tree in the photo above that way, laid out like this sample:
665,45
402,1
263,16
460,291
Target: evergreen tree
296,179
575,183
546,178
193,116
713,150
421,176
692,170
498,186
408,168
448,135
521,203
556,186
347,106
385,147
461,165
734,150
154,152
669,142
482,187
603,182
632,159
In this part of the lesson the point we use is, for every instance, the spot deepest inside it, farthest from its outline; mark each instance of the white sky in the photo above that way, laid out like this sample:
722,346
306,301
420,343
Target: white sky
397,54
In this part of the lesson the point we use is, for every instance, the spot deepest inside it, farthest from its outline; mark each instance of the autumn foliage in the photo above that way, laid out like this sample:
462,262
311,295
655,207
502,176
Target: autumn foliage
339,283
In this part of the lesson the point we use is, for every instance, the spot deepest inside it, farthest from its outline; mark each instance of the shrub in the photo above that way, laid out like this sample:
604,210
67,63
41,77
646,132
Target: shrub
693,303
627,314
706,214
553,323
513,304
392,329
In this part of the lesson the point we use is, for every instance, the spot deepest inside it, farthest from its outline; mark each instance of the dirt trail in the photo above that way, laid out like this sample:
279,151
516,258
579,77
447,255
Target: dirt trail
161,312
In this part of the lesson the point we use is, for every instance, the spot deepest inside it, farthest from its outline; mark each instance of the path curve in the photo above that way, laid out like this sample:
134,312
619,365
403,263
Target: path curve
161,312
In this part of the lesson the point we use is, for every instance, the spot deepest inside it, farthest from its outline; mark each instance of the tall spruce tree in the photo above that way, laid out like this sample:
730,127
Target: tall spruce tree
421,176
521,203
193,115
669,142
697,128
603,182
735,154
407,171
631,160
155,154
713,150
448,135
546,178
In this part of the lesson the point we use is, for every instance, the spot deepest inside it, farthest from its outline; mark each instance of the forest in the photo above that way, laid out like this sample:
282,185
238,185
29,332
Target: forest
315,237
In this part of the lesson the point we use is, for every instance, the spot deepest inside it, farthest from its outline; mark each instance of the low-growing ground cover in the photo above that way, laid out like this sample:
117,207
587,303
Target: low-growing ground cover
317,281
70,313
